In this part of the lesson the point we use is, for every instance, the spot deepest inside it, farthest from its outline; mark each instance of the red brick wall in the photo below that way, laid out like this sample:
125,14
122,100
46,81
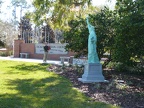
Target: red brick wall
20,46
16,47
27,48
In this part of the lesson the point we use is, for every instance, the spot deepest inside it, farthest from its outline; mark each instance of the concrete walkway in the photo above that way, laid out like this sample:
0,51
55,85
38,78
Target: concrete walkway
30,60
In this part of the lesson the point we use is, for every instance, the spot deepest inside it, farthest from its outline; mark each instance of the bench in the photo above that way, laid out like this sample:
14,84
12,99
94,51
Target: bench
62,59
26,55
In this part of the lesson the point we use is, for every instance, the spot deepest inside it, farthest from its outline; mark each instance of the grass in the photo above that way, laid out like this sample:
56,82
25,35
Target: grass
30,85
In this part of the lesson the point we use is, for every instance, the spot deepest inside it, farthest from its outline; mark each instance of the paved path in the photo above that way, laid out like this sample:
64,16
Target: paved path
29,60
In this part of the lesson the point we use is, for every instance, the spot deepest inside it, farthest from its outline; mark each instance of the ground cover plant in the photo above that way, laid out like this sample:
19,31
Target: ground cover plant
31,85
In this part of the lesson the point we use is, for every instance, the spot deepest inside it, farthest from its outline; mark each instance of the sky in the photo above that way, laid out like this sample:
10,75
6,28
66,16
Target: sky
7,12
109,3
104,2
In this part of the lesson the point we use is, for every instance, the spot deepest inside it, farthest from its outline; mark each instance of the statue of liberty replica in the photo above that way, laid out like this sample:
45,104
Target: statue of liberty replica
93,69
92,41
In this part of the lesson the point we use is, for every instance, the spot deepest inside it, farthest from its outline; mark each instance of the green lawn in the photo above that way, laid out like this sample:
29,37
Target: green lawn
30,85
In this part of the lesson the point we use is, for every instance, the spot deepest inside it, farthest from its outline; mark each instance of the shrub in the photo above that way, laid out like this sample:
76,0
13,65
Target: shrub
7,53
138,68
119,67
3,54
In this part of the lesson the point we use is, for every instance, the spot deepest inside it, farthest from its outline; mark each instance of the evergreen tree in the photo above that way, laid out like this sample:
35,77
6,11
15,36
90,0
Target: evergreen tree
25,29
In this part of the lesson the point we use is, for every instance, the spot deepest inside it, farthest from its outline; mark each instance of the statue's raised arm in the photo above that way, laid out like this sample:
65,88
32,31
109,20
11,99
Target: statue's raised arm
90,27
87,21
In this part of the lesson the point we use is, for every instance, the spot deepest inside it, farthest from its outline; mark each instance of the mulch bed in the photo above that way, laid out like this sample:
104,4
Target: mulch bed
122,90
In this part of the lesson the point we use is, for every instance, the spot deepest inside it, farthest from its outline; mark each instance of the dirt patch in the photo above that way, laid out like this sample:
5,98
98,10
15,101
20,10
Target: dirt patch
122,90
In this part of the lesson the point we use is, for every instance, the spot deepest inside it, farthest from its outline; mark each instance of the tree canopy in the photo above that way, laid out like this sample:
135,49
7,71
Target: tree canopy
58,12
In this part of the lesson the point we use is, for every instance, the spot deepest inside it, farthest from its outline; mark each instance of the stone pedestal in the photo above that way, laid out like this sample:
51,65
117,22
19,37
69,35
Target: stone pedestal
92,73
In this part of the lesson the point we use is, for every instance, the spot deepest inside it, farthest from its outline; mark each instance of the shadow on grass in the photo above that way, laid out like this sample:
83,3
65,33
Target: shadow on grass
14,101
27,68
50,92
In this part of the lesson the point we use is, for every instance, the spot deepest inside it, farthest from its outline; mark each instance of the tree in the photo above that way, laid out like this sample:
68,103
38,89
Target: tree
7,33
104,22
25,29
1,43
77,37
57,12
1,36
129,40
0,5
18,3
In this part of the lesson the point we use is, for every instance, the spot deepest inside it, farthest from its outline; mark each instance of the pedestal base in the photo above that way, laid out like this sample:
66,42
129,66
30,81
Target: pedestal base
92,73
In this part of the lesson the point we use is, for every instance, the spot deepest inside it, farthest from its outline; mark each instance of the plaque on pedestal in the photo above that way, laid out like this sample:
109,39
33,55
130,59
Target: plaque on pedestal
92,73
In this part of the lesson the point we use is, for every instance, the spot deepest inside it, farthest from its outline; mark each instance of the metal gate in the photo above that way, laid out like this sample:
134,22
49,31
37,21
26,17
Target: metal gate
39,36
